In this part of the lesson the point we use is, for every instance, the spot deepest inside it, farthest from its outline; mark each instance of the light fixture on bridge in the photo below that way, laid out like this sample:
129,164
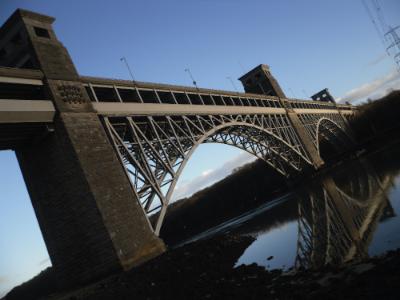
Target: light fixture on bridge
129,69
191,77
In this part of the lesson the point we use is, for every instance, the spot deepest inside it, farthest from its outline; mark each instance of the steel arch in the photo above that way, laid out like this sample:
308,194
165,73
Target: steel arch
333,129
156,150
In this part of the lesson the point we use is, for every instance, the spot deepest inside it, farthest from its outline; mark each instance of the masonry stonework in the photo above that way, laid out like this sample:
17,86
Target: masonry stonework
261,81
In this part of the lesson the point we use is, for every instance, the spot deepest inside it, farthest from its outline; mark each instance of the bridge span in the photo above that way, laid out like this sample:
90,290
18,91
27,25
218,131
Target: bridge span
100,155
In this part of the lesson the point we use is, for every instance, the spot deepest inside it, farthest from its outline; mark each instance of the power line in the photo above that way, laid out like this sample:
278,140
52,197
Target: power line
291,91
233,84
379,15
371,17
241,67
387,34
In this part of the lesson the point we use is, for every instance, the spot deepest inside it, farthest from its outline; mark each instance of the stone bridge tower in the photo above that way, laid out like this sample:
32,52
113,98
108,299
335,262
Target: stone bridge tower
261,81
80,192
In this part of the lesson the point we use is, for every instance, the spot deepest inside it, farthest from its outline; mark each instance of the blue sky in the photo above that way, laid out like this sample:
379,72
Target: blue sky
309,45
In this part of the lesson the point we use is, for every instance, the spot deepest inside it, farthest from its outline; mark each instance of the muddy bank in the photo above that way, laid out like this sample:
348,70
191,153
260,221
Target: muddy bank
204,270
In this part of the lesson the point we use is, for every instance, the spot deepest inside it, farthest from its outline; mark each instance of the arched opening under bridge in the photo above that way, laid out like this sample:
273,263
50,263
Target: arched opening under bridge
156,150
221,191
332,139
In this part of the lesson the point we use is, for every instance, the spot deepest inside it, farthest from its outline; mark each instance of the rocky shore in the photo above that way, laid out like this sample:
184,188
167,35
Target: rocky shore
205,270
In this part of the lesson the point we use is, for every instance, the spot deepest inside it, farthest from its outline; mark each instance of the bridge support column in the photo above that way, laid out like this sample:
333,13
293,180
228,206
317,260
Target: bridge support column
305,138
90,217
260,81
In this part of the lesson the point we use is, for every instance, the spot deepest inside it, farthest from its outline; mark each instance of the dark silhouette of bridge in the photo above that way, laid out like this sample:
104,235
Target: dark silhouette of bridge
99,155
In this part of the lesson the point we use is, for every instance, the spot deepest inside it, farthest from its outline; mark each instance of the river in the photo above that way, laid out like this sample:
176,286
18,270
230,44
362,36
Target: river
347,213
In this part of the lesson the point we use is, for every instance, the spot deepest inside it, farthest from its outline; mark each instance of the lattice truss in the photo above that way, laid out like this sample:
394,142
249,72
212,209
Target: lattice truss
154,149
329,126
326,236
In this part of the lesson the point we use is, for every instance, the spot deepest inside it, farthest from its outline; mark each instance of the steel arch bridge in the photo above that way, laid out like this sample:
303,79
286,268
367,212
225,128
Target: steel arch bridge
155,149
98,155
155,137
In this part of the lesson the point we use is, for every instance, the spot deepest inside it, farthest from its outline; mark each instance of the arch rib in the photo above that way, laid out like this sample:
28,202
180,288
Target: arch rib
329,128
155,150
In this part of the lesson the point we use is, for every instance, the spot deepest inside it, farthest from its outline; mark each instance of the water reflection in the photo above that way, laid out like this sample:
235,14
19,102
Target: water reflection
338,218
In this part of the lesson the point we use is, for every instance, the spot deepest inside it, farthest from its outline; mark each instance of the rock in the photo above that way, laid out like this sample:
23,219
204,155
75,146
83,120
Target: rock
361,268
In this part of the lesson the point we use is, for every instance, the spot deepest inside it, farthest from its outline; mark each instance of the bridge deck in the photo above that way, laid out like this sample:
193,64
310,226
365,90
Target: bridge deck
22,121
26,111
43,111
23,102
115,90
146,109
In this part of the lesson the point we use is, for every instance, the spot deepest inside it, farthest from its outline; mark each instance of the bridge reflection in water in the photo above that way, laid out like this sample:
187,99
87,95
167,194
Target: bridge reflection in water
336,220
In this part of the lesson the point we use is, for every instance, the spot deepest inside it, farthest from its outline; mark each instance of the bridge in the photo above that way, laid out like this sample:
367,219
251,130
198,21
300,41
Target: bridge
100,155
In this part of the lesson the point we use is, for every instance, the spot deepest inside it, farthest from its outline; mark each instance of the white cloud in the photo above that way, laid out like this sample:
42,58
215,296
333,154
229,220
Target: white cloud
374,89
45,261
207,172
378,60
208,177
4,286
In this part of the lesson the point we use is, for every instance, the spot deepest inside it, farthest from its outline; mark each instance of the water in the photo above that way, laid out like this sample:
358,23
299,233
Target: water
350,212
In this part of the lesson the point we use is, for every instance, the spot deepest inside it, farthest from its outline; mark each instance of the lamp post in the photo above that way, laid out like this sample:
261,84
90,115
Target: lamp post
191,76
129,69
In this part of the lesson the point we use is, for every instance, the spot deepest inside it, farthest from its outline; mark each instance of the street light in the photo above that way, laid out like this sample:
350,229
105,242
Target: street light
191,76
129,69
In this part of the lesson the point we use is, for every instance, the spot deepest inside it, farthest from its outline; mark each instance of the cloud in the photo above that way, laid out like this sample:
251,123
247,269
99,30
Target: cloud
45,261
4,281
377,60
207,172
208,177
2,294
374,89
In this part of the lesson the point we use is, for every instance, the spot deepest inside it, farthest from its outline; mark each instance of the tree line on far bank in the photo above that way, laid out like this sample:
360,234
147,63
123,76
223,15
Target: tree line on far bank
379,119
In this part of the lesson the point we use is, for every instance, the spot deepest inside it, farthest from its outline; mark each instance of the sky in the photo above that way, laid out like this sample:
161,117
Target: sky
309,45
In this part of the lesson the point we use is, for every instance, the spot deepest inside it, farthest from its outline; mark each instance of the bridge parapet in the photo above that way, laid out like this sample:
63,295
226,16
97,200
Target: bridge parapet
107,90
